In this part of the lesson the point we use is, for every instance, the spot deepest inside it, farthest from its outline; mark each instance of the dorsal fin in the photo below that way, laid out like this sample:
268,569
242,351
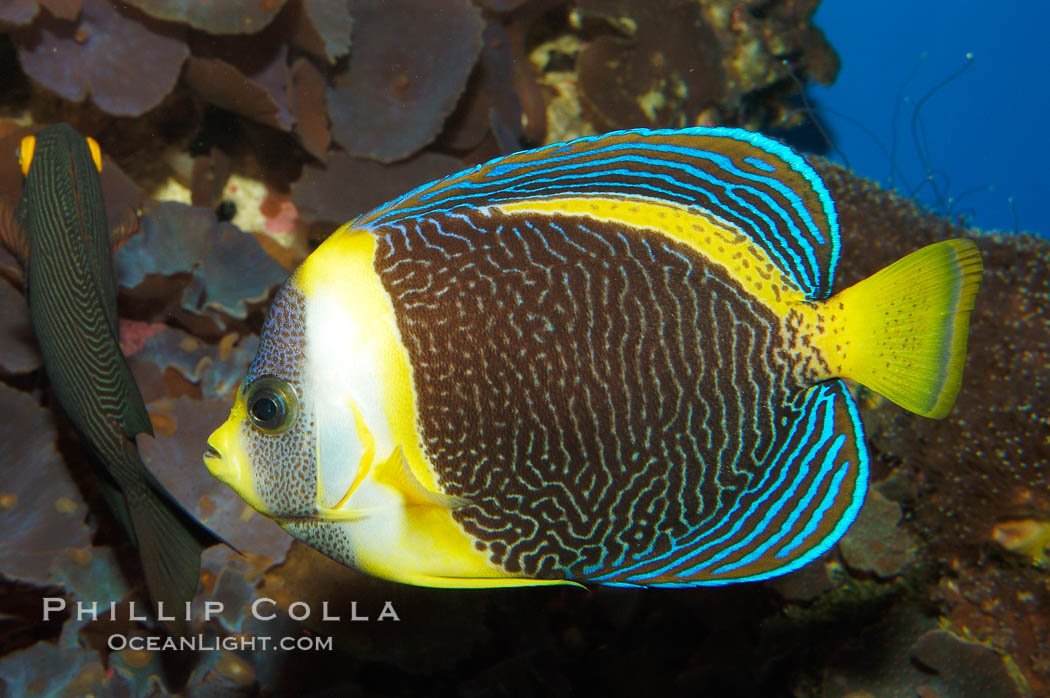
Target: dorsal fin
745,180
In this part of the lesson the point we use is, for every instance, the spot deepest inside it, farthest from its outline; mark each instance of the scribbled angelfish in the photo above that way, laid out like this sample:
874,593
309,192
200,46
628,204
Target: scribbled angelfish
613,360
63,239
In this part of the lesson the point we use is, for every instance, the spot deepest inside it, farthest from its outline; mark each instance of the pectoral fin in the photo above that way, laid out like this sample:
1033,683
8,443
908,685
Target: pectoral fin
394,472
397,473
344,513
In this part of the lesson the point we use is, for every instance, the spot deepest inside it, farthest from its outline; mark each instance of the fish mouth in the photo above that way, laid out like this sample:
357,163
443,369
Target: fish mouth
225,459
218,461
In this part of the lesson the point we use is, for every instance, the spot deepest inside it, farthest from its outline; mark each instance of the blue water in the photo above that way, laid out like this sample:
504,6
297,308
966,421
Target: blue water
985,134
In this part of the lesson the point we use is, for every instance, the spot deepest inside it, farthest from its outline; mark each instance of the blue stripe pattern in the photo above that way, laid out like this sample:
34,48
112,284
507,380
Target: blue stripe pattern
810,493
747,181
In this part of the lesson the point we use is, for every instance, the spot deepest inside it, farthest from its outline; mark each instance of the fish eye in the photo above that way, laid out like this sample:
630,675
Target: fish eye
271,404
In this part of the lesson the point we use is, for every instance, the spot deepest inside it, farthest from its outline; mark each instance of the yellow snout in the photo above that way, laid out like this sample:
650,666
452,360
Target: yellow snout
227,461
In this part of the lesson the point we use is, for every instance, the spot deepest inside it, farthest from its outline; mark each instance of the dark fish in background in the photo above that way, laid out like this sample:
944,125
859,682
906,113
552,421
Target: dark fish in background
62,237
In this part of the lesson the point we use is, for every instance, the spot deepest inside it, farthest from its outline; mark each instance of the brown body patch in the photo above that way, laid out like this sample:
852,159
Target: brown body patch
596,392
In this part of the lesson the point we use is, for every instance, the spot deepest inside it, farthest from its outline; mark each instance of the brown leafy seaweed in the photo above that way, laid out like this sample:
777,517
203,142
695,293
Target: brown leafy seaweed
18,352
215,368
63,9
662,75
410,63
249,78
310,105
501,5
350,186
226,17
905,655
41,510
18,12
228,269
323,28
876,543
63,669
127,62
490,105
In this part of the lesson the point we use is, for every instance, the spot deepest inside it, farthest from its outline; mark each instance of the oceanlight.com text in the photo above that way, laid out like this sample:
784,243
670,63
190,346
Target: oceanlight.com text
204,643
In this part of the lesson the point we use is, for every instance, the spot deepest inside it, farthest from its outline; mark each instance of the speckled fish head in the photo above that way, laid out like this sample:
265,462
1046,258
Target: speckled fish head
282,449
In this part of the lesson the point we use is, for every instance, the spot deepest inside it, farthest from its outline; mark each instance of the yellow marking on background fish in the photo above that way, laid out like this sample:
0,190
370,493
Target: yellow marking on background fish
25,153
27,148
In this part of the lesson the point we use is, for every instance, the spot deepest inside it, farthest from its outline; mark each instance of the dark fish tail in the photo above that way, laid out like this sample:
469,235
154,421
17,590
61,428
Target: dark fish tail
169,540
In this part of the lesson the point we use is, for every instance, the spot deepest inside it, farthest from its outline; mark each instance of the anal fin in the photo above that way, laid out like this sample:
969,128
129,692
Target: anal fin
801,502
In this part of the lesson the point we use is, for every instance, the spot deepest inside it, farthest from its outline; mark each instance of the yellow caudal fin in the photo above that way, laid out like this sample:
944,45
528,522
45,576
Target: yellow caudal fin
903,330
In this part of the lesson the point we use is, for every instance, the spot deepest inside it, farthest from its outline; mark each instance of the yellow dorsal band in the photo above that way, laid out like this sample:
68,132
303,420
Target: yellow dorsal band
743,260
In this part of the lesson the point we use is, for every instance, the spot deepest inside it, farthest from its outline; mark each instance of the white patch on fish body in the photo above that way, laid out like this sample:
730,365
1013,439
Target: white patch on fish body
380,532
340,373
